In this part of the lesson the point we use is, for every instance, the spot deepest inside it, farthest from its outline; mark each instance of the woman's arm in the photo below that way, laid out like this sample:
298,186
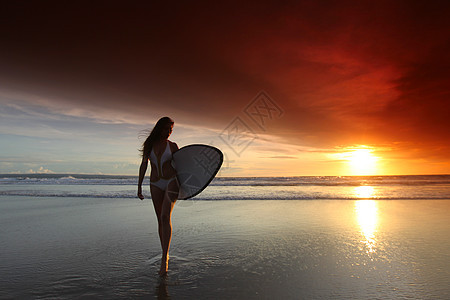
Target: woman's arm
142,170
173,147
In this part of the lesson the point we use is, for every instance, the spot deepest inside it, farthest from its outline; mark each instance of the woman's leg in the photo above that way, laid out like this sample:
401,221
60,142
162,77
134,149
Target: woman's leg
166,222
158,199
170,198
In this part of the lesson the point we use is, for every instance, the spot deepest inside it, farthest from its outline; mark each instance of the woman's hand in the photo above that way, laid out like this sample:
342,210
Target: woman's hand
139,193
142,170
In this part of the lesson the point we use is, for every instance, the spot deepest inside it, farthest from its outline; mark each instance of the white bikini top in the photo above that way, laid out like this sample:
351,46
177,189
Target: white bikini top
159,161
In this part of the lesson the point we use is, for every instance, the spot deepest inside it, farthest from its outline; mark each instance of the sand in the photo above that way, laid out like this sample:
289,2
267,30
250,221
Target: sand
109,248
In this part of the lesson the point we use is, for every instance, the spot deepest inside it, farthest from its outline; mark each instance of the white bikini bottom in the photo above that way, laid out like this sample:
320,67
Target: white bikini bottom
162,183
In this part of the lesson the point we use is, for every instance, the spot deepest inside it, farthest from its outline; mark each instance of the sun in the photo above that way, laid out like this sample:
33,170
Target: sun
362,161
358,160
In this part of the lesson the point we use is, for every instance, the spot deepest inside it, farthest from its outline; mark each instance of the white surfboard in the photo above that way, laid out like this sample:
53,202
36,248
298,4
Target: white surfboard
196,166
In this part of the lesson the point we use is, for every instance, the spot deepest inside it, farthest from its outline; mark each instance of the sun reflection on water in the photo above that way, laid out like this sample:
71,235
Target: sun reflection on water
367,216
364,191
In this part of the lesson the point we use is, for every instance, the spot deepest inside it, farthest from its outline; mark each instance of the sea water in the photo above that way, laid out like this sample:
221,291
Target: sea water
238,188
88,236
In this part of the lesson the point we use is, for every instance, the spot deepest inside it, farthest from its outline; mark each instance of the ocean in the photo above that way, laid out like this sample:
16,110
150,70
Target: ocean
237,188
67,236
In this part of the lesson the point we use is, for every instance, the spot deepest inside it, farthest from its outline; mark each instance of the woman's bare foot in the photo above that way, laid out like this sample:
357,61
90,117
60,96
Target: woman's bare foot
164,266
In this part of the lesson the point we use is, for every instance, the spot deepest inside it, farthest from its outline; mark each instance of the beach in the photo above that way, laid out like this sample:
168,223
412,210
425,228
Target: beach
310,139
84,247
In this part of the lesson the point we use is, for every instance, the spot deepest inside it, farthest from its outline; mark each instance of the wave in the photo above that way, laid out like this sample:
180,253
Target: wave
411,180
209,197
69,180
77,179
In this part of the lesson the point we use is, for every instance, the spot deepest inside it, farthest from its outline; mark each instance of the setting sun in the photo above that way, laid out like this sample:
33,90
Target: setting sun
359,161
362,162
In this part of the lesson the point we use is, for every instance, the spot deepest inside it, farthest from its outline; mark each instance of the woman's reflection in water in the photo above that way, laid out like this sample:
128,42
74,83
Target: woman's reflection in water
162,291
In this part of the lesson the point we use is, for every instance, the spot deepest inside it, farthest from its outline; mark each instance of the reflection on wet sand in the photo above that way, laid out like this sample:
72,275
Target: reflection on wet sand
162,291
367,216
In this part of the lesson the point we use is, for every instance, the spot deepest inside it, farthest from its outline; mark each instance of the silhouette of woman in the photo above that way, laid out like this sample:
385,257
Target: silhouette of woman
163,181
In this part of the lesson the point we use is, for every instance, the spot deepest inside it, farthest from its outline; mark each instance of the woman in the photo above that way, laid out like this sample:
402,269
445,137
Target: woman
163,181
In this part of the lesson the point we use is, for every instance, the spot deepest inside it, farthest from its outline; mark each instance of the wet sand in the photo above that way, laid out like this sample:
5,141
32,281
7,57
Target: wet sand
100,247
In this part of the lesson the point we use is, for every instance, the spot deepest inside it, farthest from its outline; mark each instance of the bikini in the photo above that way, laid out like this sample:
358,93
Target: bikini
163,181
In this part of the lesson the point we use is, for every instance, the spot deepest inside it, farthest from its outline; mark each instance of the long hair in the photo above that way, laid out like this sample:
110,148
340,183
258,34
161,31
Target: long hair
155,135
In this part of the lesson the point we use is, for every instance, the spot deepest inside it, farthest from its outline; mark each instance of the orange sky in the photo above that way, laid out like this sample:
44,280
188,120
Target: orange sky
345,75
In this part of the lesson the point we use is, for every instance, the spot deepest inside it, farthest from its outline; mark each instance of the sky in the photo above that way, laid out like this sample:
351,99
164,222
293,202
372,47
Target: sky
283,88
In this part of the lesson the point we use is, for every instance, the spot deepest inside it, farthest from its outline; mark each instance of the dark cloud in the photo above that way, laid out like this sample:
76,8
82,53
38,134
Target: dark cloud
344,72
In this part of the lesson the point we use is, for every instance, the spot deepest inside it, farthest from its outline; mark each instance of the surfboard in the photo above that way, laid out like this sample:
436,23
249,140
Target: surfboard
196,167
